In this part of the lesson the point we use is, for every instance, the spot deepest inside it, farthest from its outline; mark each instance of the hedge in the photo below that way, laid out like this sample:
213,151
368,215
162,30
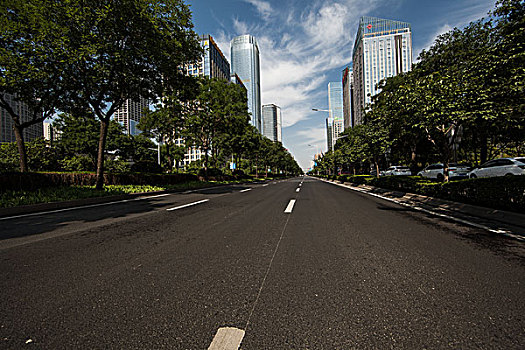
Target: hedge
505,193
33,181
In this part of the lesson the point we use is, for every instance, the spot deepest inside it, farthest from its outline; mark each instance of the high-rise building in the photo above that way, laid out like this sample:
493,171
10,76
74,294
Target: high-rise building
271,122
7,134
347,98
382,48
335,100
245,63
329,133
335,110
130,113
213,64
51,133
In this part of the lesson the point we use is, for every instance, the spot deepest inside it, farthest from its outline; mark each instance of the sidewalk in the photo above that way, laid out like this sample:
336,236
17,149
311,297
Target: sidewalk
470,214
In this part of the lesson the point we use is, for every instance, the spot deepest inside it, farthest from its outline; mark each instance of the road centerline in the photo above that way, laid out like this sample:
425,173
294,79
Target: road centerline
188,205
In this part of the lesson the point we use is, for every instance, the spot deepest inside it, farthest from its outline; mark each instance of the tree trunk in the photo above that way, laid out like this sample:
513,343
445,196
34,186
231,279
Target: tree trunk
257,167
104,124
483,149
170,159
19,135
377,168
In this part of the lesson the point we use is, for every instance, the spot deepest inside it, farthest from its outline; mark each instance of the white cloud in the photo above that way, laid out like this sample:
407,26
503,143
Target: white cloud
263,7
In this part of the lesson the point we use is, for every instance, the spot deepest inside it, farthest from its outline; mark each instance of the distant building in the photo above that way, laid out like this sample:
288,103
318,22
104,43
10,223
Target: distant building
335,100
272,122
130,113
329,133
383,48
245,63
347,98
51,133
335,108
7,133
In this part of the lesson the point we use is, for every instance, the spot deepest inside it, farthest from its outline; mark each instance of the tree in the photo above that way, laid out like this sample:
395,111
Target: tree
33,59
125,49
79,136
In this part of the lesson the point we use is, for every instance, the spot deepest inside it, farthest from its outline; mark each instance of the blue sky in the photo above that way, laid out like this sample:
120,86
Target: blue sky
305,45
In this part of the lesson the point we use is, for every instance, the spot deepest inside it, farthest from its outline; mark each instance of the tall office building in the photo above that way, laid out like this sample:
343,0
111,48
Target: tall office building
335,100
271,122
130,113
213,64
335,108
7,134
245,63
329,133
383,48
347,98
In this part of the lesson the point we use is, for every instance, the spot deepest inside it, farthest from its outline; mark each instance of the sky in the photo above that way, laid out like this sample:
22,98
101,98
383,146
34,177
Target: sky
305,44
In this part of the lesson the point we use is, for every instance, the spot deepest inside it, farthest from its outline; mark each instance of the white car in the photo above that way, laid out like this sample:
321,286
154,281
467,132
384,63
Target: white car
435,171
397,170
500,167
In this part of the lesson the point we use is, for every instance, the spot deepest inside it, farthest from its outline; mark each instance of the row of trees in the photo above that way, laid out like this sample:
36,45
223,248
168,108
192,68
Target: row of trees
85,58
464,101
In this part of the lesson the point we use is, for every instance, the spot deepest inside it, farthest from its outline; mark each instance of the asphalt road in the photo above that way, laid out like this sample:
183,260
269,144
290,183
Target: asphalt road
342,270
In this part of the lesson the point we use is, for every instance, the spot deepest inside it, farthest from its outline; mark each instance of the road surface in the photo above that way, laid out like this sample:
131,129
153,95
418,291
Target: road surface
294,264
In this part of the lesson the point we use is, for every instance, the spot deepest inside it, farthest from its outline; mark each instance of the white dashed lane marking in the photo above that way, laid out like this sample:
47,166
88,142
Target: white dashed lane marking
227,338
246,190
289,208
188,205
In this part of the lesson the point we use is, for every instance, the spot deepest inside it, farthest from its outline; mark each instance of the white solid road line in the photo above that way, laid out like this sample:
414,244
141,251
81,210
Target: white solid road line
246,190
188,205
289,208
227,338
453,218
297,189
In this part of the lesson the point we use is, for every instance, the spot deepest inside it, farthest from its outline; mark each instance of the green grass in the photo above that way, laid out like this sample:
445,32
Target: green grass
66,193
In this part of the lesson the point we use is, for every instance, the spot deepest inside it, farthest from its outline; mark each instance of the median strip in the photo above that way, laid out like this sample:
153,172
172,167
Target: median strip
289,208
188,205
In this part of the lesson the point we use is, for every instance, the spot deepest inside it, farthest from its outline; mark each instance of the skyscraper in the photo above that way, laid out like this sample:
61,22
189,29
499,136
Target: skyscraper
245,63
213,64
329,133
383,48
335,100
7,134
348,117
335,110
271,122
129,114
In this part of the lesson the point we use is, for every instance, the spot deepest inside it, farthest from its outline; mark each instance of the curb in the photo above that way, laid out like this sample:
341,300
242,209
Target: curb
502,216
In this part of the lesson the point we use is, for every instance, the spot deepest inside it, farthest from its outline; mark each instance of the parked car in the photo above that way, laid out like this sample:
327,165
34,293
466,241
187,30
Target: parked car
500,167
435,171
398,170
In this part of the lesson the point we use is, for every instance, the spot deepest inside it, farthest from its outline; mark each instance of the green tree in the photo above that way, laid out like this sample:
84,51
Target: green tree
125,49
33,59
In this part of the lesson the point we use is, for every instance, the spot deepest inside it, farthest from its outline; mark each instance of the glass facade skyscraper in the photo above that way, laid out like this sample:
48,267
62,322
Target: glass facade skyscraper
245,63
383,48
271,122
7,134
